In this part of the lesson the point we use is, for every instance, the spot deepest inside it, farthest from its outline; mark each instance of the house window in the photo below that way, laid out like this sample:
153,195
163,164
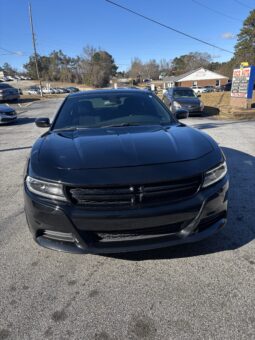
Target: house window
194,83
217,83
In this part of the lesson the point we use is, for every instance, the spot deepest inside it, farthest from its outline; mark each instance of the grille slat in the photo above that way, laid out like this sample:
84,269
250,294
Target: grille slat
130,196
139,233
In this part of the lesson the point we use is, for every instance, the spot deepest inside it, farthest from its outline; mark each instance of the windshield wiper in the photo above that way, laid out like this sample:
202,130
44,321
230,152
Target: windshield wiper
71,128
120,125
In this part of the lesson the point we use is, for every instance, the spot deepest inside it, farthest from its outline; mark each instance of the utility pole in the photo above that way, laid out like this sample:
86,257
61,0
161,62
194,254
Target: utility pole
34,46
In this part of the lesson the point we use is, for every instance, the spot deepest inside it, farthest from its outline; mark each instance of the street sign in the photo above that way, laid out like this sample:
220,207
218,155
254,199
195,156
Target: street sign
242,82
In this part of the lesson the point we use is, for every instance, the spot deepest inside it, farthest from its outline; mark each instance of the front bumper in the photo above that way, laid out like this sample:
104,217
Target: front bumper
4,119
65,227
193,109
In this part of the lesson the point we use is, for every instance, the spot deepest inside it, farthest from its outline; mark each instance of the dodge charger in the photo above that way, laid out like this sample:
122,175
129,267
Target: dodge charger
116,171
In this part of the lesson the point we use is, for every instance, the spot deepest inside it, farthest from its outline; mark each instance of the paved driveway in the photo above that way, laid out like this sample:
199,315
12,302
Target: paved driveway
198,291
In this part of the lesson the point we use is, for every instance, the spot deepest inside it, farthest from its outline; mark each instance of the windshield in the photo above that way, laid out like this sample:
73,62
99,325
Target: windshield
184,93
113,109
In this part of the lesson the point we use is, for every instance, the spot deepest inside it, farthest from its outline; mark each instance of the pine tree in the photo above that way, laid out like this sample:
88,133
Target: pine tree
245,47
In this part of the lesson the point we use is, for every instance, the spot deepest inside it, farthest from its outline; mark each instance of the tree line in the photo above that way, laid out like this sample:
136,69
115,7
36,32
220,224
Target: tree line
96,67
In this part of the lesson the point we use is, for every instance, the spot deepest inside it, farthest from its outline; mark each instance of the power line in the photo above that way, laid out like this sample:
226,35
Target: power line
10,52
216,11
168,27
242,4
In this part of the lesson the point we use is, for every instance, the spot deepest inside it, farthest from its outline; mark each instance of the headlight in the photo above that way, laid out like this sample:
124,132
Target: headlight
176,105
45,189
215,175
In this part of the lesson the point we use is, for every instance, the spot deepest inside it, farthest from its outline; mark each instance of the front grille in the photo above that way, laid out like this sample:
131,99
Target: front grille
5,119
10,114
134,234
134,195
191,107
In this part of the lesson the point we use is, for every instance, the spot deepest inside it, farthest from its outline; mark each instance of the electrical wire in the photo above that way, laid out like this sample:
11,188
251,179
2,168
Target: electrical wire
168,27
215,11
10,52
244,5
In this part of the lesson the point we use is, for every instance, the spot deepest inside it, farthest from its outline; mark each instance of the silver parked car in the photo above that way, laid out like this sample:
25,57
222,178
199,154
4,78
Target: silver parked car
7,114
7,92
176,98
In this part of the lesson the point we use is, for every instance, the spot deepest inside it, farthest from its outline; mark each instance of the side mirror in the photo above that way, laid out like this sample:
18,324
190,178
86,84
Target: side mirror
199,95
42,122
181,114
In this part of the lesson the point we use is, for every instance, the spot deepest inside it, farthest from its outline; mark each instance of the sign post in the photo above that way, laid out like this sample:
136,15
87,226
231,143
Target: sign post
242,87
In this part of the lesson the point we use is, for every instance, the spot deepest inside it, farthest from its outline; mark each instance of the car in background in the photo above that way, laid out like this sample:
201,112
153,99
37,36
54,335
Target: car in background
209,88
72,89
60,90
117,172
226,87
8,93
7,114
202,89
33,91
56,90
197,89
47,90
5,78
176,98
147,80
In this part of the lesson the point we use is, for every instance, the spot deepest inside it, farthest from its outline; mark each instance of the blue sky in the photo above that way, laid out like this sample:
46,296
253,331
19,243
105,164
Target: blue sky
72,24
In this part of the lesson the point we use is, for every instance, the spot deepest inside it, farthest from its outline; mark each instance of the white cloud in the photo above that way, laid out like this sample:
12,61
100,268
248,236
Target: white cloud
228,36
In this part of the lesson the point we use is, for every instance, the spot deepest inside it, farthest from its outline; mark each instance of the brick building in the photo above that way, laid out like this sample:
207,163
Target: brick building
200,77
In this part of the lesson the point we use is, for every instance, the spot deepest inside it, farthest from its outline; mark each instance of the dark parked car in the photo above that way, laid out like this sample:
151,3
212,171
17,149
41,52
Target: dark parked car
72,89
8,93
182,98
7,114
209,88
226,87
117,172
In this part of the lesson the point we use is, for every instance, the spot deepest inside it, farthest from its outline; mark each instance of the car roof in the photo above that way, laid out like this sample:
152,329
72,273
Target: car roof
181,88
109,91
4,85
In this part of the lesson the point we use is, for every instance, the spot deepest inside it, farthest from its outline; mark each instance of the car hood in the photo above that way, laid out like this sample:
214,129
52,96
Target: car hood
188,101
5,109
120,147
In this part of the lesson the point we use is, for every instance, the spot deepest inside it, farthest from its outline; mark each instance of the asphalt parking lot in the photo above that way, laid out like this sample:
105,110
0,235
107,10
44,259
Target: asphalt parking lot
198,291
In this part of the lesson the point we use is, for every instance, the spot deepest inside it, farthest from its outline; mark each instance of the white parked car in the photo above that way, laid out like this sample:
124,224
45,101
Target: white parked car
197,89
49,90
200,89
33,91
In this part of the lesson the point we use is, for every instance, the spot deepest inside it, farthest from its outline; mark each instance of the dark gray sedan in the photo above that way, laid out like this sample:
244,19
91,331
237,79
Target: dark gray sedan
7,114
177,98
7,92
